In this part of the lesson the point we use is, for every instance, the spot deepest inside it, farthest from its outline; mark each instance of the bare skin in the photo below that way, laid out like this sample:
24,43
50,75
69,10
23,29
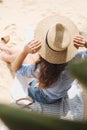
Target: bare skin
16,57
31,48
79,41
9,54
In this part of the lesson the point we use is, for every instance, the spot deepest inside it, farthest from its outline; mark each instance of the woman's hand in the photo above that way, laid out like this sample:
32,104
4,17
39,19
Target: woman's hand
32,47
79,41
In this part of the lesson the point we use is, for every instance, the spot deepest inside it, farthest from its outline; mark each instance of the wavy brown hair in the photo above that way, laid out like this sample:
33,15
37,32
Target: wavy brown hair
49,72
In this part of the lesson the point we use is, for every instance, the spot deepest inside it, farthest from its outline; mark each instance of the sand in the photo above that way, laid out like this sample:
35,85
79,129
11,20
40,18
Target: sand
17,15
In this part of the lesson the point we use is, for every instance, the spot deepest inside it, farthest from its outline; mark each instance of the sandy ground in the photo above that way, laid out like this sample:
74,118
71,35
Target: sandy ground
17,15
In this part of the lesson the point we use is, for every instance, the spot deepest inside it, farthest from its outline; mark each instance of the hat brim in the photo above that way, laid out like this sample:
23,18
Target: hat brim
40,34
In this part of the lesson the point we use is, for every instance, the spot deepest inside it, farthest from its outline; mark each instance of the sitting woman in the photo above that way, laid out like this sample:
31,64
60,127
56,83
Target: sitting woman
54,50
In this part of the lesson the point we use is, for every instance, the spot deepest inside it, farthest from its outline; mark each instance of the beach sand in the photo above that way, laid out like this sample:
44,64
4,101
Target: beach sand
18,15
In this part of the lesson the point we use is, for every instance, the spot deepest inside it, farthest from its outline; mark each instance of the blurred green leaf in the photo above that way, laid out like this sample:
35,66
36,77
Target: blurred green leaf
80,71
17,119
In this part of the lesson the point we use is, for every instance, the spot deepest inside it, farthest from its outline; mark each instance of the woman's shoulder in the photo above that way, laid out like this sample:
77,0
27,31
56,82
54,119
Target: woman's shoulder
81,52
80,56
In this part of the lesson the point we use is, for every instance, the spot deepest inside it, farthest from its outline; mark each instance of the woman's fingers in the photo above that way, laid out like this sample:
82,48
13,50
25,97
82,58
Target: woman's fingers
79,41
34,46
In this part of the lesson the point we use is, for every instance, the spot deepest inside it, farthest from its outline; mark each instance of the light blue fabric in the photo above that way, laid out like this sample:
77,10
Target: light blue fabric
38,94
58,89
69,107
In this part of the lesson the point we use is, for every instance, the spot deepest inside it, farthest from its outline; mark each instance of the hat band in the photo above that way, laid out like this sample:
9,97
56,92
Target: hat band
47,42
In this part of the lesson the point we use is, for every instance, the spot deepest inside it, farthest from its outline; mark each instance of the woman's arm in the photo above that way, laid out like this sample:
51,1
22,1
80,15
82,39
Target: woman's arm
32,47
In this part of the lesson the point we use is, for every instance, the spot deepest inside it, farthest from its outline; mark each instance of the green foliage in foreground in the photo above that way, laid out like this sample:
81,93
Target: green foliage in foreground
17,119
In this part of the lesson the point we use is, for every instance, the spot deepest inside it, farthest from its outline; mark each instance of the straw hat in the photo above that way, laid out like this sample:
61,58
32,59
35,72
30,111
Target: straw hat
56,34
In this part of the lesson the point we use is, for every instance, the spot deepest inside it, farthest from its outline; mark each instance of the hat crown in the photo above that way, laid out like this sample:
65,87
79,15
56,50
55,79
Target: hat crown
58,37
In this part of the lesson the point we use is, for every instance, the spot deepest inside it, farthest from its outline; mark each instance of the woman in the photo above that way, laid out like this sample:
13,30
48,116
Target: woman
50,78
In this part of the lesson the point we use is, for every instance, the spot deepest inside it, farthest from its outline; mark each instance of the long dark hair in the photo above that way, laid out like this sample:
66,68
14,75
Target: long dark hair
49,72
